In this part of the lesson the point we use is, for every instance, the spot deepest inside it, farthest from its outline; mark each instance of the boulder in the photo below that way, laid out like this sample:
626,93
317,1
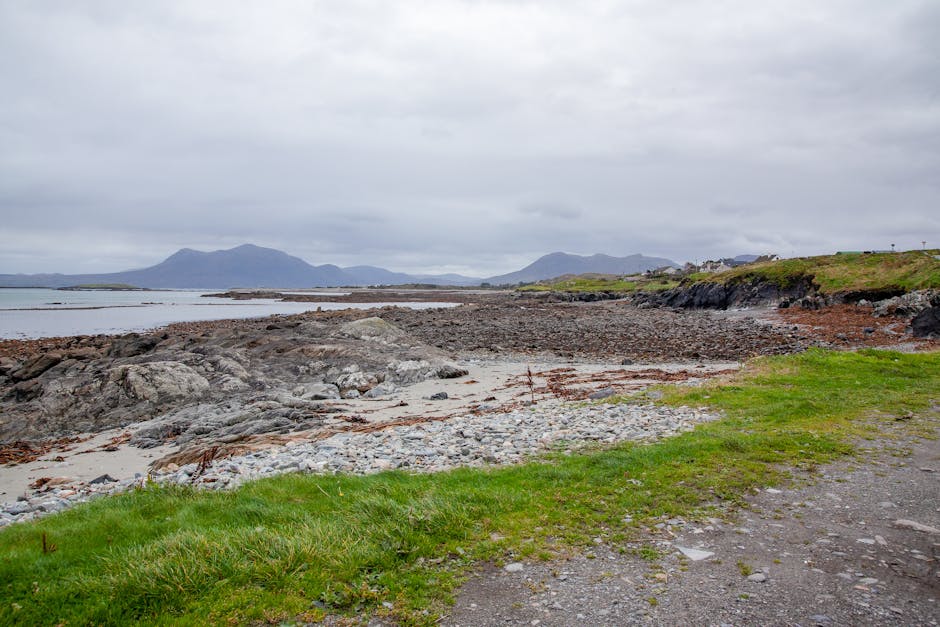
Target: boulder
360,381
382,389
133,344
450,372
926,323
409,371
907,305
8,365
158,381
37,365
26,390
318,391
373,329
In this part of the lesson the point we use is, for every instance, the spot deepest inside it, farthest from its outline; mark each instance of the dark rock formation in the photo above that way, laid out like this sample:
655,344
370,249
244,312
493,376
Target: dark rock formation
926,323
706,295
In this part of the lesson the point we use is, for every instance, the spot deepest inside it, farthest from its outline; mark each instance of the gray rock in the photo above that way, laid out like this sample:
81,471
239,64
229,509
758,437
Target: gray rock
133,344
514,567
319,391
695,555
602,393
20,507
757,577
915,526
373,329
448,371
158,381
37,365
926,323
382,389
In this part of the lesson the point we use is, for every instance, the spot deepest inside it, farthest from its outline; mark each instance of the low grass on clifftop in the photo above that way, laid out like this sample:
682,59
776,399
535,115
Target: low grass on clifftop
295,548
844,272
587,283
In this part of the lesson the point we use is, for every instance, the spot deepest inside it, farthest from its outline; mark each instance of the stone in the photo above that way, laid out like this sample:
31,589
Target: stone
514,567
438,396
926,323
37,365
450,372
373,329
382,389
408,371
356,380
20,507
132,345
915,526
25,391
696,555
319,391
105,478
602,393
159,381
757,577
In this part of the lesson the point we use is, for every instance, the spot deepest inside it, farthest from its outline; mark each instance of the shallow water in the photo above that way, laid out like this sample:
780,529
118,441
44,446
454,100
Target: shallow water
33,313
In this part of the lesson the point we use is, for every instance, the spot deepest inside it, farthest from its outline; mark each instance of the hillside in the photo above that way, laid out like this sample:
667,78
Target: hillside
843,277
558,264
841,273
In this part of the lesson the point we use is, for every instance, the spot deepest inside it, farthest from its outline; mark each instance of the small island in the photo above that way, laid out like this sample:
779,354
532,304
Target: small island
103,287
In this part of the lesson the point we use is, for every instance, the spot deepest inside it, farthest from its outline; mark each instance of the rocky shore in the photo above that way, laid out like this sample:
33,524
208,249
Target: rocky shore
488,382
426,446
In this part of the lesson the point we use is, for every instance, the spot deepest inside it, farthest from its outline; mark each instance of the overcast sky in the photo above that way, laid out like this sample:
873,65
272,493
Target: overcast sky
465,136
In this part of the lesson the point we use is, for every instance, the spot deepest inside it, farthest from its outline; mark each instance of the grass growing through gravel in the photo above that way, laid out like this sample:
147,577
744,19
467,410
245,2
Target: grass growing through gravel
299,547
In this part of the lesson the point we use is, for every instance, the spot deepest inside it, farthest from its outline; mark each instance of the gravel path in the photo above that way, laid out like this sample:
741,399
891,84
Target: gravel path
831,549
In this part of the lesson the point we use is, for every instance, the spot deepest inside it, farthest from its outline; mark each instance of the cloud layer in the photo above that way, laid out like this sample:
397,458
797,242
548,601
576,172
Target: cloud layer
465,136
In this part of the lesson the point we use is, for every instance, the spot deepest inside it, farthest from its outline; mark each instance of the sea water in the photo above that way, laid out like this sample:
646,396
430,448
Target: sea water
33,313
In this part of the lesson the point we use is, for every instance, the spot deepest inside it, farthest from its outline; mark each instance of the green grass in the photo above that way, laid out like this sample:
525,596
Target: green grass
848,272
589,283
299,547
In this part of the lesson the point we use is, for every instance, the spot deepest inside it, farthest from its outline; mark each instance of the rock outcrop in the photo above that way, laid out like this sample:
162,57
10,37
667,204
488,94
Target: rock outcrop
255,377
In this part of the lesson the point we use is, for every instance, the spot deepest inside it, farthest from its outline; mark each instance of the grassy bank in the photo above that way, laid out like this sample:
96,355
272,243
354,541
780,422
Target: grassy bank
832,274
602,284
298,547
846,272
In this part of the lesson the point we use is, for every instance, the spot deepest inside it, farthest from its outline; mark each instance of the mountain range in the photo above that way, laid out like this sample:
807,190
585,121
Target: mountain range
250,266
557,264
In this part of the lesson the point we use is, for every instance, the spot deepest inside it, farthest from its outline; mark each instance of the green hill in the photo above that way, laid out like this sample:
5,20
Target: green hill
840,273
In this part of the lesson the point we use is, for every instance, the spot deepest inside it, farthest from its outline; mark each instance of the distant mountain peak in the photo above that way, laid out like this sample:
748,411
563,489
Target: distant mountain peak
559,263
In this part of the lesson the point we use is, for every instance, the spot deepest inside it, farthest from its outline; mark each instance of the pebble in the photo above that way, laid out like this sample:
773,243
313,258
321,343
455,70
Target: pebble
695,554
468,440
757,577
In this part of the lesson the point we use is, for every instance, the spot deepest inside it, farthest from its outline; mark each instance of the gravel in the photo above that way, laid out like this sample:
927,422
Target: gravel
466,440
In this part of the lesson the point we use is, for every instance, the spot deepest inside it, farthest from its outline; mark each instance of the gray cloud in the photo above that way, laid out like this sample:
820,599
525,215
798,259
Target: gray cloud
465,135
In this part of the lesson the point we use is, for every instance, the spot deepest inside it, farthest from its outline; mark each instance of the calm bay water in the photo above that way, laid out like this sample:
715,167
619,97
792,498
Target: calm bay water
33,313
